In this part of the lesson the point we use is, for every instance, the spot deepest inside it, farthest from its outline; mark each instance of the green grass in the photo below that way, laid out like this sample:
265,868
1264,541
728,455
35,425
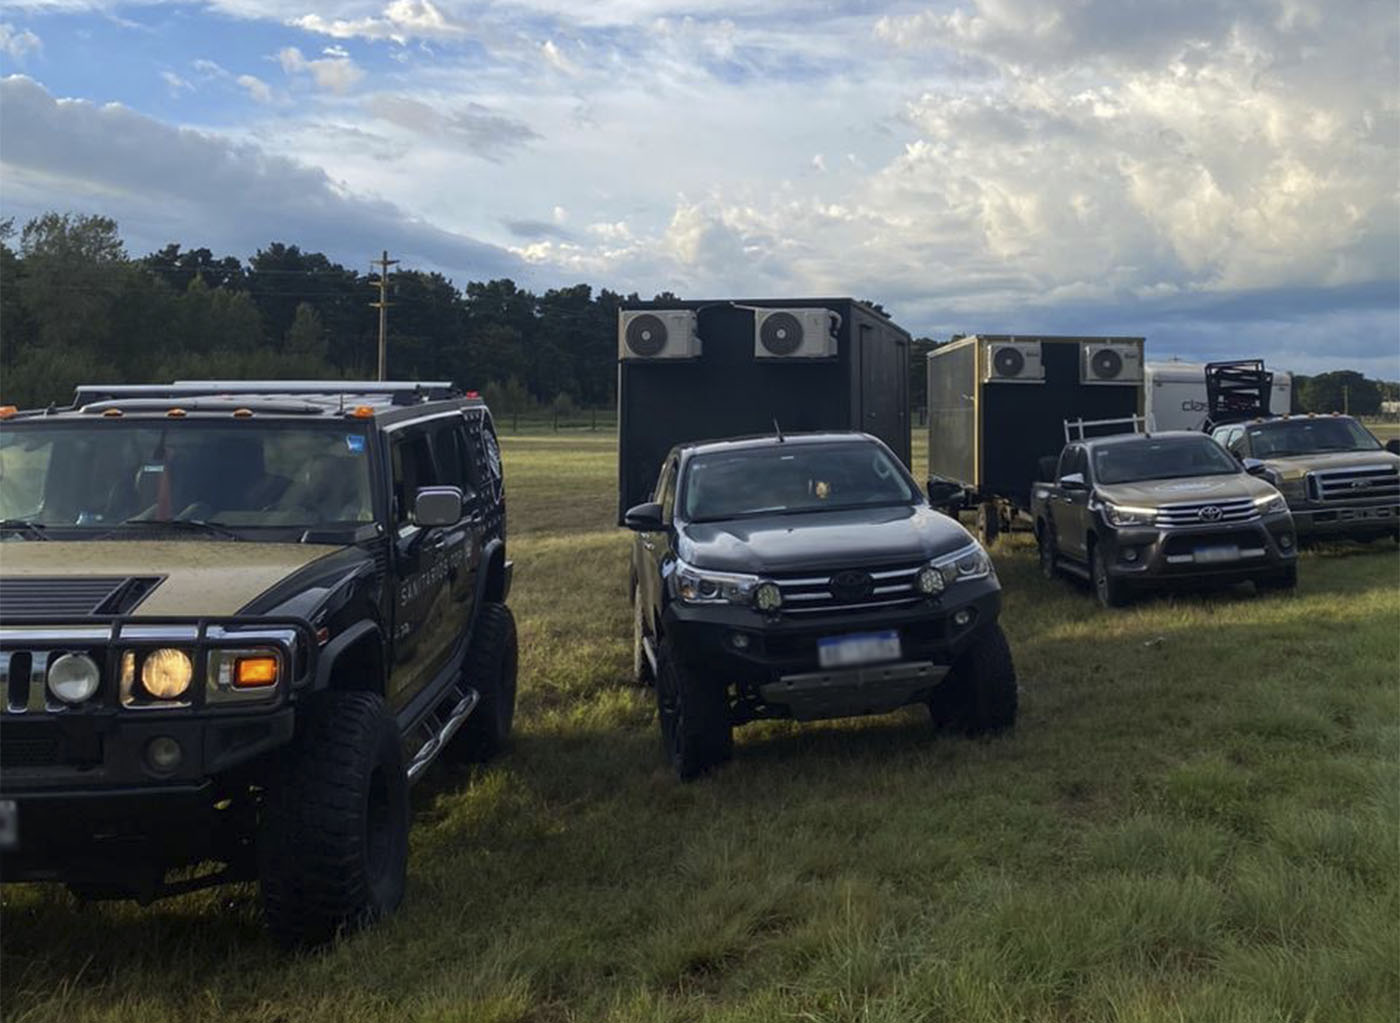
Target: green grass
1196,819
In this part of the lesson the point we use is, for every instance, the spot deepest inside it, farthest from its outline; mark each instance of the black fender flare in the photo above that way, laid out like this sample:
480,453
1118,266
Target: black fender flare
493,582
342,644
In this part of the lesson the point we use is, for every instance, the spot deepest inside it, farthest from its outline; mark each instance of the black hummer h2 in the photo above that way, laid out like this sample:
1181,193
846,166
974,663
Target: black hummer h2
1131,512
236,620
806,577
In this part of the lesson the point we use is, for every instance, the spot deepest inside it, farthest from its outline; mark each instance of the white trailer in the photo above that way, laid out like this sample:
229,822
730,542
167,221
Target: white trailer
1175,395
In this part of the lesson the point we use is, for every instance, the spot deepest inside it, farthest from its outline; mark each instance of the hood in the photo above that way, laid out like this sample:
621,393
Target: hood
1185,490
192,577
785,543
1296,465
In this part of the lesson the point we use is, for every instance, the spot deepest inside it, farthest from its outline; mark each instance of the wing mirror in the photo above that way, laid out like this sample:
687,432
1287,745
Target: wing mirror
1393,446
644,518
437,506
1254,467
945,494
1072,481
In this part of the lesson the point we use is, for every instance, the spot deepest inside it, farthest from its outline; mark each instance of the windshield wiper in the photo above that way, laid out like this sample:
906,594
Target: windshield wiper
33,530
186,525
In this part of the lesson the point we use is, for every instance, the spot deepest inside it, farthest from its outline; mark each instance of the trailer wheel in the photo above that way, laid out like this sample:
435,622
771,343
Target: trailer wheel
1046,543
988,522
979,694
1110,591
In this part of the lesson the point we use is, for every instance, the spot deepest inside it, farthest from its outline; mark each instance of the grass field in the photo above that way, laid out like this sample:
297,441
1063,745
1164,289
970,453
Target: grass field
1197,819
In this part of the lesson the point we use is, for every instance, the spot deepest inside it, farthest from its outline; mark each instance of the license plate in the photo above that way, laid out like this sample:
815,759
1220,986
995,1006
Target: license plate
9,824
862,648
1211,555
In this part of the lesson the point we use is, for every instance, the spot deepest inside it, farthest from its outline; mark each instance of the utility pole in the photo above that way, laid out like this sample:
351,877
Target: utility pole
383,262
1346,399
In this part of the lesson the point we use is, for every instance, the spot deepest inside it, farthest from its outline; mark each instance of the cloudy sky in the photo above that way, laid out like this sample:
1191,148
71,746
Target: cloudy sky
1219,175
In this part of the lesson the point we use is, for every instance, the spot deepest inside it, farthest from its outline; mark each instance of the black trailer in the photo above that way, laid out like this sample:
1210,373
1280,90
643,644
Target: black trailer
691,371
997,405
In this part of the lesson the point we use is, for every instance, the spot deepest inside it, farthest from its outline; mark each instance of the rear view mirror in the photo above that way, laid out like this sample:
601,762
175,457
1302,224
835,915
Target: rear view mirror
1393,446
1254,466
1072,481
437,506
644,518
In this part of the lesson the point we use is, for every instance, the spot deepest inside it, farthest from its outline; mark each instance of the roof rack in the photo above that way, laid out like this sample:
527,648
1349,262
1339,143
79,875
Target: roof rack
400,392
1136,424
1236,390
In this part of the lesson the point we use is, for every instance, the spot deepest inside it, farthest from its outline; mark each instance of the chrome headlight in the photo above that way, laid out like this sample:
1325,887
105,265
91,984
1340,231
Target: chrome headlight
963,565
1127,515
1270,504
166,673
701,586
73,678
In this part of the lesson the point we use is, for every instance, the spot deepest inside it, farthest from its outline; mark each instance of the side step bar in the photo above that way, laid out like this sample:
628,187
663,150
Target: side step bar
440,729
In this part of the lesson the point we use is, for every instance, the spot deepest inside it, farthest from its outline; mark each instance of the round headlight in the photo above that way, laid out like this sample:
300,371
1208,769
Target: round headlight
73,678
929,581
166,672
768,597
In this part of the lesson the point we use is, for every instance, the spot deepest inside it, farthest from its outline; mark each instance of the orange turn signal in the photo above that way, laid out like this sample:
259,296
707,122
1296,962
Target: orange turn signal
176,413
255,671
6,411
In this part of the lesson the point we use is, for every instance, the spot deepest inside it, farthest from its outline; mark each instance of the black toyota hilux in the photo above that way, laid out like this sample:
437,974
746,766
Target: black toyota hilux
806,577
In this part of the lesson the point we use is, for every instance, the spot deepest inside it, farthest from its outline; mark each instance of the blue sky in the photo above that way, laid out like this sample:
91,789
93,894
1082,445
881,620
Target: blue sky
1218,175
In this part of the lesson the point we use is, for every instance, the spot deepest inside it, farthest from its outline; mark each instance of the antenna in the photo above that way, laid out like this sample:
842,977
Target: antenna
779,431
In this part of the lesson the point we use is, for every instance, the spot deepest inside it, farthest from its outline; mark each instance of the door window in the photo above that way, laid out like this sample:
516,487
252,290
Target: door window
411,456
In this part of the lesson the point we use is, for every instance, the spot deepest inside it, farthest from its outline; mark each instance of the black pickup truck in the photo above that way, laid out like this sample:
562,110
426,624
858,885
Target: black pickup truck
807,577
1131,512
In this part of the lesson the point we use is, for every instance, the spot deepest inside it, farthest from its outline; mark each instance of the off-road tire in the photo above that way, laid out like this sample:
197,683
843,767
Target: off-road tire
641,667
1283,581
1045,541
693,712
333,839
491,666
979,695
1108,589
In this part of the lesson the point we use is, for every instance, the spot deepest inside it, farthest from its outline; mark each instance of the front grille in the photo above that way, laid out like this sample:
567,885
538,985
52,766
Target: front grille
1207,513
23,676
1355,483
72,597
29,751
849,589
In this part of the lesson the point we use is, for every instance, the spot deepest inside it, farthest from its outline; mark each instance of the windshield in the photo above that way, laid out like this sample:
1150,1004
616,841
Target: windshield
1162,459
792,479
249,475
1304,436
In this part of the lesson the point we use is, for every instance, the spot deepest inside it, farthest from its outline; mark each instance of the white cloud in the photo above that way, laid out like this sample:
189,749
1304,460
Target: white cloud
18,43
209,68
256,88
176,83
400,21
338,74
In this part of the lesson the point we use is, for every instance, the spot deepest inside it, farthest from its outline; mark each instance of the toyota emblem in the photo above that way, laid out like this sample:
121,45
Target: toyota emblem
1210,513
851,586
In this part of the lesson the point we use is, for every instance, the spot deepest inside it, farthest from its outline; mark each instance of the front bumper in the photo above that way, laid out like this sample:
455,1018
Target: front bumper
774,660
1146,555
1339,519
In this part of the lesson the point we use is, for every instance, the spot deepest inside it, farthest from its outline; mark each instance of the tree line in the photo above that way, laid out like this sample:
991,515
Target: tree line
76,308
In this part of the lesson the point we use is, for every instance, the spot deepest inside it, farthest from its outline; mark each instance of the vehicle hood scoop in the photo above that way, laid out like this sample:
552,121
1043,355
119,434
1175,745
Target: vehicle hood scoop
73,596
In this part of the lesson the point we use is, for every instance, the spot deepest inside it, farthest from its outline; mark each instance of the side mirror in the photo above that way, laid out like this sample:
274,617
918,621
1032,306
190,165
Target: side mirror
944,494
1254,467
644,518
1393,446
1047,464
437,506
1072,481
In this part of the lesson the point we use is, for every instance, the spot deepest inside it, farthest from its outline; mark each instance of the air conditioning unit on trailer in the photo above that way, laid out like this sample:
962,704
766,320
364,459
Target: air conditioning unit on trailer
657,334
795,333
1014,362
1111,362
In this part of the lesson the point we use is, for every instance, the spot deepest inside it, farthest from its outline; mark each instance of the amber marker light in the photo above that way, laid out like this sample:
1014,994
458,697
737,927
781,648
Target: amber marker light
252,672
6,411
177,413
112,413
363,412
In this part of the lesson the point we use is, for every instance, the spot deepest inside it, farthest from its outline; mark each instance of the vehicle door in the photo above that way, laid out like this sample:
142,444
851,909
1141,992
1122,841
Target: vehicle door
422,605
655,553
461,542
1071,502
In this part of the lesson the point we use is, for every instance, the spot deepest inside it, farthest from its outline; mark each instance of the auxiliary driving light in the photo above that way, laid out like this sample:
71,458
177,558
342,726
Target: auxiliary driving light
1285,541
163,754
73,678
929,581
739,640
1130,554
768,597
166,673
962,617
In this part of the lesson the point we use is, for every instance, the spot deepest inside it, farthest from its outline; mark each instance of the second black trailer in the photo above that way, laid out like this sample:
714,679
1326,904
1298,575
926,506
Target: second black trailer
703,370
